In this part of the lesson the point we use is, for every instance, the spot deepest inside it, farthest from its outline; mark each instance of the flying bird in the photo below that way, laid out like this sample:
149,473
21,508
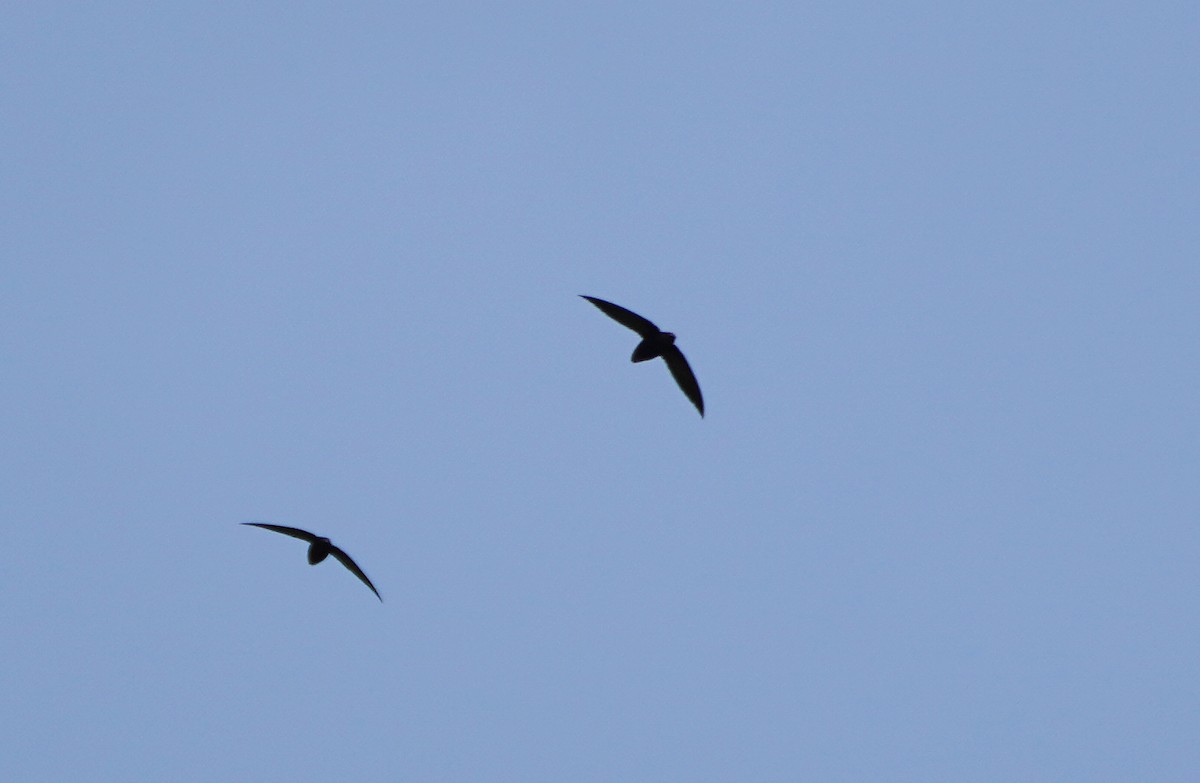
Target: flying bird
320,548
655,343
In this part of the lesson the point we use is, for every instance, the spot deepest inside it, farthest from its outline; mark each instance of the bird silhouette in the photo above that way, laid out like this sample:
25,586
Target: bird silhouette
320,548
655,343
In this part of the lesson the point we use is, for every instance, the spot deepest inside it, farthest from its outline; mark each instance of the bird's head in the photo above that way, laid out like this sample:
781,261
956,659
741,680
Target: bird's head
318,550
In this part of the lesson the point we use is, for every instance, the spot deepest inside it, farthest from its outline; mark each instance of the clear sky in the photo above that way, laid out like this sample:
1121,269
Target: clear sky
935,266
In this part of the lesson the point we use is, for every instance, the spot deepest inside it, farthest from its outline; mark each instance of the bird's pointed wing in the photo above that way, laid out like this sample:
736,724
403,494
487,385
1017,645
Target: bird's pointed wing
684,377
624,317
345,560
294,532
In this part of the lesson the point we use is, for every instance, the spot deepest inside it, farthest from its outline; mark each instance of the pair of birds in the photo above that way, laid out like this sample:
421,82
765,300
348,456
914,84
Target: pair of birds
655,344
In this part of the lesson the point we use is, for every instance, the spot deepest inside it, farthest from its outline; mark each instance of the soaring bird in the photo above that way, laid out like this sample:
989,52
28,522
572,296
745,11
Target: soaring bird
320,548
655,343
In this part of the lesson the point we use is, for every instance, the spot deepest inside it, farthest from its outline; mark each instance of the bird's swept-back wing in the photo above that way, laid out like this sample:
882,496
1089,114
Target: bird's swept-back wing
684,377
624,317
294,532
345,560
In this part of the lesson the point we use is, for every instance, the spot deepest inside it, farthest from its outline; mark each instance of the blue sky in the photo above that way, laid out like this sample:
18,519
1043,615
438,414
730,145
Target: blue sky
934,265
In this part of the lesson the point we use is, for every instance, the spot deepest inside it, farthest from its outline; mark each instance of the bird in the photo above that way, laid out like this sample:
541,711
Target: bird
655,343
320,548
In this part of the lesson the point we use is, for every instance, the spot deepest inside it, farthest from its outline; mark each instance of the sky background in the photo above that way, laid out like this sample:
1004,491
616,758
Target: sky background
934,264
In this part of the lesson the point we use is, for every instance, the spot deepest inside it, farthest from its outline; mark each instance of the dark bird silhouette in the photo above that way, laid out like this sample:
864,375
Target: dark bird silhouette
655,343
320,548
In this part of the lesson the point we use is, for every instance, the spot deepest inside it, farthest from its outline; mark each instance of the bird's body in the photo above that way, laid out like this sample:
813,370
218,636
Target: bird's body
320,548
655,344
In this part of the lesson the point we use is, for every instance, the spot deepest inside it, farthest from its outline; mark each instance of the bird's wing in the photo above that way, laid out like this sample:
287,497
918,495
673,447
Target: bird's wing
294,532
345,560
624,317
684,377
